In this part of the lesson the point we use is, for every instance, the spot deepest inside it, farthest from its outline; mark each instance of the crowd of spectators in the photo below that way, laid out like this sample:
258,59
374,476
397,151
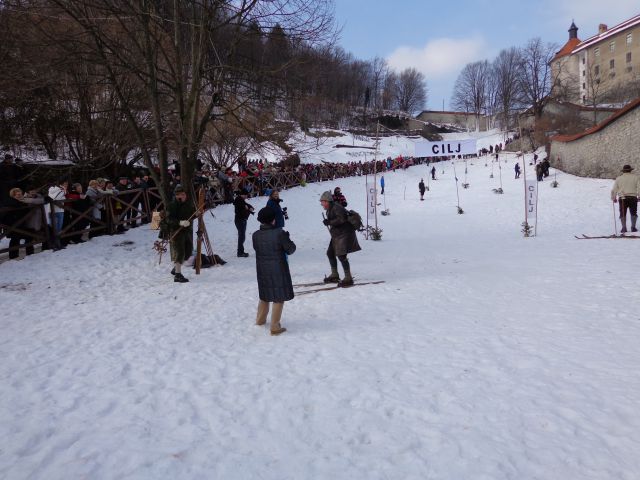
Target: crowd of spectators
67,203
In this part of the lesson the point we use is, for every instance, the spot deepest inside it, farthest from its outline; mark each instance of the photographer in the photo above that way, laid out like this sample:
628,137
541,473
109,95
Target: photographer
242,212
281,213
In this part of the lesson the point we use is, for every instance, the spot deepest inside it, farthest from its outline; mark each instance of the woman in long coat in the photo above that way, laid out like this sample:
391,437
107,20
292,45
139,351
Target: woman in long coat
272,245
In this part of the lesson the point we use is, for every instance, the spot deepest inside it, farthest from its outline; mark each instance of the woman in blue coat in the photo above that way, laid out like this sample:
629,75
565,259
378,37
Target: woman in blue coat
274,204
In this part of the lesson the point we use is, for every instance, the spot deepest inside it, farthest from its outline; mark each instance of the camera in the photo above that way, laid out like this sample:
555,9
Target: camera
286,215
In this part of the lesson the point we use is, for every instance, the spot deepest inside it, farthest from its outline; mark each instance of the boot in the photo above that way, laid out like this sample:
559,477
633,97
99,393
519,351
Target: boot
634,219
334,277
278,331
623,220
347,281
179,278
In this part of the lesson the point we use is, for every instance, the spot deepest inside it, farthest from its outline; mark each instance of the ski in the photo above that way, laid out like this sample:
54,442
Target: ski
336,287
313,284
587,237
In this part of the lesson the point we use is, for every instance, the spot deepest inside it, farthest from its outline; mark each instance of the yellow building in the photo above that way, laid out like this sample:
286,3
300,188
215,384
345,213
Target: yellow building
604,68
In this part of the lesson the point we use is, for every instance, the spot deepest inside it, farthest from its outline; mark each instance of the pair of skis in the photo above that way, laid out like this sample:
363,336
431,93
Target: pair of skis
587,237
328,287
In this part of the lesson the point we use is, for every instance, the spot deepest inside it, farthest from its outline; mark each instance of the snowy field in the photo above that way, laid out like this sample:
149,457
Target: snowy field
484,356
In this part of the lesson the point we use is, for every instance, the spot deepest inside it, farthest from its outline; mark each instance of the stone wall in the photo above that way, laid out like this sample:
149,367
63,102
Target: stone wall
601,154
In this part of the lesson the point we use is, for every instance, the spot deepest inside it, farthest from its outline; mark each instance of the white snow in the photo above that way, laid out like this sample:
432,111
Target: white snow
485,355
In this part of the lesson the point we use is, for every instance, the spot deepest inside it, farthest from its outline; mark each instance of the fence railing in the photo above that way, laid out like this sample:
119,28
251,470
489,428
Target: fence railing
130,206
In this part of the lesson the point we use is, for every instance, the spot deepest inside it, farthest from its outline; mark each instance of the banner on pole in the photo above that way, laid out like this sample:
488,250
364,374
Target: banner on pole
446,148
371,201
531,187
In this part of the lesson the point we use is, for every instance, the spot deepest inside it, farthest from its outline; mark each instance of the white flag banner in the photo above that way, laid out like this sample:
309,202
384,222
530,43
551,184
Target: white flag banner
371,201
446,148
531,189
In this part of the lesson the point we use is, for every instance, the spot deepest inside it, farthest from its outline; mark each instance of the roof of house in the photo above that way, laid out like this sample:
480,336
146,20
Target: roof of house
632,22
447,113
567,49
570,138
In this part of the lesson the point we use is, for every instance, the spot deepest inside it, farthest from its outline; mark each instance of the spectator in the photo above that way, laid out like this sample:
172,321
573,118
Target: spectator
272,245
27,220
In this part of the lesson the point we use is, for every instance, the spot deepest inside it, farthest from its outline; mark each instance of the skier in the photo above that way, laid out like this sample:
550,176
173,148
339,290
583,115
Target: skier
422,189
343,240
382,185
627,189
433,172
517,169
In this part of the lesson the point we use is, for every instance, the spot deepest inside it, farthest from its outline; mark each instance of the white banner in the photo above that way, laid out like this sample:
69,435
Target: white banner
531,190
371,201
446,148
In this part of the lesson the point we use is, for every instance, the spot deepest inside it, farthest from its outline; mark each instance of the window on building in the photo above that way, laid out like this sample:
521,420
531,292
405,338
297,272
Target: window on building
596,52
629,69
584,85
583,73
628,57
583,60
584,99
596,70
612,46
629,38
612,64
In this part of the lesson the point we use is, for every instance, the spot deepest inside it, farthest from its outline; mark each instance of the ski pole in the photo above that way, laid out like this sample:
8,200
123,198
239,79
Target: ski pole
615,228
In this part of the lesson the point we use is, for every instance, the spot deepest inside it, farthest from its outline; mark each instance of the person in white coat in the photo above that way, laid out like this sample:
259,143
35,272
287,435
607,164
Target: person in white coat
626,191
58,193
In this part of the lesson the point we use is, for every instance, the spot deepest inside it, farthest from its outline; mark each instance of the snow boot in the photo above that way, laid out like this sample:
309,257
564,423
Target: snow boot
347,281
278,331
334,277
179,278
634,219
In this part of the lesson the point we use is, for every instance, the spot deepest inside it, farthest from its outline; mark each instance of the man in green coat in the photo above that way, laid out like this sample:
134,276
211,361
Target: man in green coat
180,214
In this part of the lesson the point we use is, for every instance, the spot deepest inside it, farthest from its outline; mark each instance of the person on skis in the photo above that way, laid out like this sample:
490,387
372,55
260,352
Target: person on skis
343,239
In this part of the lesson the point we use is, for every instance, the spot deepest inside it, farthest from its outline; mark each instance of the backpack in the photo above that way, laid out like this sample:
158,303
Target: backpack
355,220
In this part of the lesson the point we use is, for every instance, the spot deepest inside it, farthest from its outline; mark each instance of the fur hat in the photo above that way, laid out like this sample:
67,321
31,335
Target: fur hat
266,215
627,168
326,196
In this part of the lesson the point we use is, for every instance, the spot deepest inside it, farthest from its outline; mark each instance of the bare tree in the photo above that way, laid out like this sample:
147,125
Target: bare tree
534,74
175,66
505,70
411,91
470,92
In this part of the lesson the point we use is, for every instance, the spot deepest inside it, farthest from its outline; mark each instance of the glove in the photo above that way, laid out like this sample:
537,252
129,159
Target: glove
325,221
184,223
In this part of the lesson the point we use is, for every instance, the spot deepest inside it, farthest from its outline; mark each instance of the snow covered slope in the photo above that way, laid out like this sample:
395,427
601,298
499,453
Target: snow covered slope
485,355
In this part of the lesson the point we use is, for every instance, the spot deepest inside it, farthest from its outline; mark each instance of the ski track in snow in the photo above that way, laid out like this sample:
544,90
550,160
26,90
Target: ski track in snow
485,355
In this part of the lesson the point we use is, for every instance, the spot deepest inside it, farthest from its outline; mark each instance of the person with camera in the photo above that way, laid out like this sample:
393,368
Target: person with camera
281,213
242,212
272,245
180,214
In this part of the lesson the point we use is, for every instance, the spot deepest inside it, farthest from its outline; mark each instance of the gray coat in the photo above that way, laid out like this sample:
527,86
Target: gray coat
343,235
274,279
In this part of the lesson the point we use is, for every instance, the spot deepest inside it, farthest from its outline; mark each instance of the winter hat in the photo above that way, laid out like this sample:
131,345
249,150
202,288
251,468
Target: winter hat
627,168
336,191
179,189
266,215
326,196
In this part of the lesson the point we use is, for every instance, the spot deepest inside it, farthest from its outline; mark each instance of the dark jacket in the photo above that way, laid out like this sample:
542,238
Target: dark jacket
242,208
343,236
275,206
274,280
421,187
182,244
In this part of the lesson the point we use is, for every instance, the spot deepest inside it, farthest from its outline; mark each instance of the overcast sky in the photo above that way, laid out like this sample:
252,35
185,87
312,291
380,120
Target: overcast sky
439,38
